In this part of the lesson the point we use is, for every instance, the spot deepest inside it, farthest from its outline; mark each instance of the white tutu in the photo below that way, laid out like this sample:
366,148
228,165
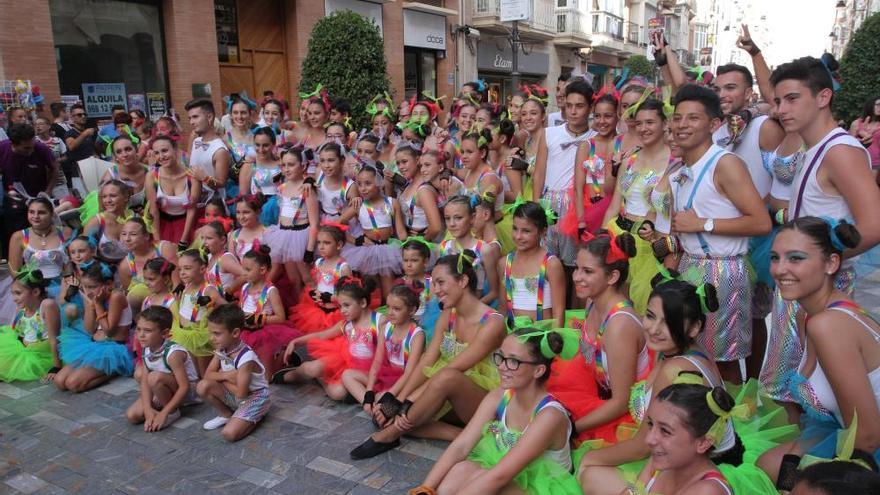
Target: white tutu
379,259
286,245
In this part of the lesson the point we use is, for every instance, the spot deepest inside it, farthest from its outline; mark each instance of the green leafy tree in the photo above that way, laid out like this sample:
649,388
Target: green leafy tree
347,56
858,69
639,65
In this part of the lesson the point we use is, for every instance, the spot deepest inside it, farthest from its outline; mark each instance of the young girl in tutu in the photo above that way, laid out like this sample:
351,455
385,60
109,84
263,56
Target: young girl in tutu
399,348
534,279
141,249
293,239
95,348
158,280
224,270
595,386
195,303
350,344
266,331
29,347
594,180
316,309
418,201
416,254
459,214
81,251
377,214
517,441
335,190
247,212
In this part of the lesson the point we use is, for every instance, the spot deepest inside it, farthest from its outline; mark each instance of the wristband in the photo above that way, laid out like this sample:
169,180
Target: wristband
788,472
779,217
309,256
660,58
404,408
754,51
369,397
260,320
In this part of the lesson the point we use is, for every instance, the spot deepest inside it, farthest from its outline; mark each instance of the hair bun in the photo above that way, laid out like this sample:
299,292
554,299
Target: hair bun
264,249
723,398
661,277
554,340
847,233
627,243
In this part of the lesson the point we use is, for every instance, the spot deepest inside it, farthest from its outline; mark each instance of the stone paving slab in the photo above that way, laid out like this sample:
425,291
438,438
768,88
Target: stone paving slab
60,443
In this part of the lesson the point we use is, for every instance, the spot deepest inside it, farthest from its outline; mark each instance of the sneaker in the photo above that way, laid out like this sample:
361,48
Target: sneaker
213,424
171,418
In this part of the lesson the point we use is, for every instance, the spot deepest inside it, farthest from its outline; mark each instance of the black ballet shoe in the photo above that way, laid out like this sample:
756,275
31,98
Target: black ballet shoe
372,448
294,363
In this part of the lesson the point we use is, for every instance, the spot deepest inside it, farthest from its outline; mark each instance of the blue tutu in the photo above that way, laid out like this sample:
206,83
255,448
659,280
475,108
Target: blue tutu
54,287
759,257
79,350
429,318
270,211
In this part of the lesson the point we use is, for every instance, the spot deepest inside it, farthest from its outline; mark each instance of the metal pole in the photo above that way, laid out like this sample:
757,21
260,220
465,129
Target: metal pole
514,45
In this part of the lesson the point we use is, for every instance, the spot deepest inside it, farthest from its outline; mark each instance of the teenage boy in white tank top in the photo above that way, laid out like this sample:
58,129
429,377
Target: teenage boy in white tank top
716,208
208,157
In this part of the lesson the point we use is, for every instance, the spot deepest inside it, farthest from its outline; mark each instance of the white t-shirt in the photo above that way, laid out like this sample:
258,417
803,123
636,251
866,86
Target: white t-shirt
555,119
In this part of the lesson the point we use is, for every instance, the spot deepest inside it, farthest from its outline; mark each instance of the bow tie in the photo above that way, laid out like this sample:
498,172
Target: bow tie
574,142
201,145
684,175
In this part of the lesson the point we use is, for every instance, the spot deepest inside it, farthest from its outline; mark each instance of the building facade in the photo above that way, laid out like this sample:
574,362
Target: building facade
849,16
158,54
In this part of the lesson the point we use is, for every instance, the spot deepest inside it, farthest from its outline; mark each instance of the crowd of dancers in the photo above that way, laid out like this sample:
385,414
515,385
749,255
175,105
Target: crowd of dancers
577,308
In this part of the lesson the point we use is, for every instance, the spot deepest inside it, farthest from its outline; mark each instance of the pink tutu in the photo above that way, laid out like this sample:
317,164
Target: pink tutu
594,213
269,343
387,377
335,356
308,317
379,259
287,245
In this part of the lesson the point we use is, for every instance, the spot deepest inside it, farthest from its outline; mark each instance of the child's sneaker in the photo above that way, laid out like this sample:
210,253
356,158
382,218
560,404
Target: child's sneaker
213,424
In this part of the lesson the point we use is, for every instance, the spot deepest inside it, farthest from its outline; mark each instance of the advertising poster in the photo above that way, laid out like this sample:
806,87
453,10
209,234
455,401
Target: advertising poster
100,98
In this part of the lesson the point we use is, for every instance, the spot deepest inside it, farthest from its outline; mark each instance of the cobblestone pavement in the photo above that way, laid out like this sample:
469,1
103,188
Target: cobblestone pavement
53,442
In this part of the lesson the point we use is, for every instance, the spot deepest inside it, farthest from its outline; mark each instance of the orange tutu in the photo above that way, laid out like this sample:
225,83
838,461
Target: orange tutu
308,317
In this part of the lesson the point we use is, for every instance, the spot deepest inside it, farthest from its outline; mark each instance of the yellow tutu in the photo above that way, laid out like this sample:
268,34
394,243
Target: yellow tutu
138,290
504,232
642,268
195,338
484,374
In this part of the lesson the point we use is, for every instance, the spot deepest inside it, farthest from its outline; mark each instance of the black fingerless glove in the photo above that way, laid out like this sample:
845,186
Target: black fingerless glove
389,405
660,58
182,245
404,408
203,300
359,241
250,320
369,397
788,472
179,289
326,297
72,291
309,181
309,256
399,181
615,168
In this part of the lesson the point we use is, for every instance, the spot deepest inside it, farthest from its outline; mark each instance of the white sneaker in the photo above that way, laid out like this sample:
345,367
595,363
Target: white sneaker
171,418
213,424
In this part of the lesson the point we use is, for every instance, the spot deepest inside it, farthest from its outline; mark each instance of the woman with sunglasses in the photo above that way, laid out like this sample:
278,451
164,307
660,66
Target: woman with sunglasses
517,441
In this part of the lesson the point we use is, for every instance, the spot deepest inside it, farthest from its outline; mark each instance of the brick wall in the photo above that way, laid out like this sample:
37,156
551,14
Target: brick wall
191,50
26,48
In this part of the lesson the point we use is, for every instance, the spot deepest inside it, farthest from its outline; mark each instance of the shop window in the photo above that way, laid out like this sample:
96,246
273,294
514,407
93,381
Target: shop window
110,41
420,71
226,21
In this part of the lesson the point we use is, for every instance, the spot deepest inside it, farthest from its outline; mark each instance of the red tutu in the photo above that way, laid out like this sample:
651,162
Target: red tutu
335,356
594,213
573,383
171,228
387,377
269,343
308,317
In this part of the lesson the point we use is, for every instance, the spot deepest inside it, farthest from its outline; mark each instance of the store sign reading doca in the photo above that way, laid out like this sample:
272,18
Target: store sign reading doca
491,58
423,30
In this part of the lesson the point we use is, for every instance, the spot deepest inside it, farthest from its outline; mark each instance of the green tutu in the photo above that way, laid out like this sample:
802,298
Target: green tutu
19,362
195,338
541,476
642,268
89,208
138,290
484,374
504,232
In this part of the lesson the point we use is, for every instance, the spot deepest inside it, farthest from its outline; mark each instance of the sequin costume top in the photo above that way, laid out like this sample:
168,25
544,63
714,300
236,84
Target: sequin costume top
332,201
189,310
257,302
241,246
636,187
362,341
450,346
478,189
294,208
506,438
397,353
594,353
326,281
239,150
30,329
49,261
784,169
594,168
262,179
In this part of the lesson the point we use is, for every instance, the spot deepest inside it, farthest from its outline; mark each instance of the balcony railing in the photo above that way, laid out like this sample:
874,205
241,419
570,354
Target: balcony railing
608,24
572,22
543,15
635,33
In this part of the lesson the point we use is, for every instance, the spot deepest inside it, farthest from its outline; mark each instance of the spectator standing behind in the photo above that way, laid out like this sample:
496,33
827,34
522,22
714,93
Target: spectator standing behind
43,130
558,117
23,160
80,140
867,130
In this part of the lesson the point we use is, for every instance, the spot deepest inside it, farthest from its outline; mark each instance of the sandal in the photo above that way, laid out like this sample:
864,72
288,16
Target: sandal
294,363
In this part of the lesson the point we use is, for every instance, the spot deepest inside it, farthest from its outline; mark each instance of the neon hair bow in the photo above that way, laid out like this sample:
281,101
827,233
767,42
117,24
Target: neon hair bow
621,80
615,254
225,222
827,60
437,101
511,208
352,280
717,430
607,90
835,239
634,108
543,329
462,257
668,107
314,94
417,239
242,96
481,85
537,93
27,274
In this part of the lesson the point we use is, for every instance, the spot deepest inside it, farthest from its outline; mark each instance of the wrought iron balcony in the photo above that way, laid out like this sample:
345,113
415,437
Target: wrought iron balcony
542,23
